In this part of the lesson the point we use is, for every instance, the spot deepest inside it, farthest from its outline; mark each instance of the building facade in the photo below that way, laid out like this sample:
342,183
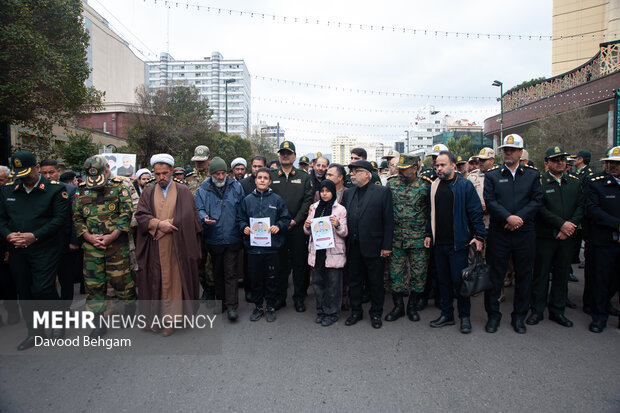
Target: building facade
224,83
341,149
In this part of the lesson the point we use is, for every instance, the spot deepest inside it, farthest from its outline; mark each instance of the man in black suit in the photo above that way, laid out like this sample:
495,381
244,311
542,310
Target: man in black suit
370,218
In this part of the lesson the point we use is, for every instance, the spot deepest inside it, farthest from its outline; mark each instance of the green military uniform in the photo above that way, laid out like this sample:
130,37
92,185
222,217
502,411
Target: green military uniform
104,206
296,190
563,200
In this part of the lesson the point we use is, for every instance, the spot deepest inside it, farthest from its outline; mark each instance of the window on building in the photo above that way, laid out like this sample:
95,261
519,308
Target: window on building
197,66
436,122
182,67
429,129
436,130
198,74
182,74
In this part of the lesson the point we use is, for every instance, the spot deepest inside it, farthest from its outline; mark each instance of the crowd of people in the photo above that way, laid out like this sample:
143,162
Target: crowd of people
169,237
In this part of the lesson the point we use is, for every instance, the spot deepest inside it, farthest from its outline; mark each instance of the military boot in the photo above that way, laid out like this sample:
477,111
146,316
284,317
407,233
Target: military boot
100,328
412,313
399,308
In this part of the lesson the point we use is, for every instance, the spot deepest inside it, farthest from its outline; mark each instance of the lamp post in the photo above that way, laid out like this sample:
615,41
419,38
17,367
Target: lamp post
501,116
226,82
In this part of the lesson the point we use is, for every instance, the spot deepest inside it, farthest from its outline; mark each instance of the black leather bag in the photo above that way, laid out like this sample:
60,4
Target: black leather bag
476,277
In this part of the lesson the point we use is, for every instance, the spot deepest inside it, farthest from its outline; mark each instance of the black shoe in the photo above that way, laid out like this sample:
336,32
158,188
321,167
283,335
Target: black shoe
412,312
465,325
442,321
232,315
353,318
319,318
572,278
560,319
279,304
270,315
570,304
597,326
518,326
375,321
611,310
329,320
534,319
492,325
257,314
421,304
28,342
58,333
300,307
399,308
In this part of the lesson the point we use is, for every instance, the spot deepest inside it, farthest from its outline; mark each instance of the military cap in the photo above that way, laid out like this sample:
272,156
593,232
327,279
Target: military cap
179,170
407,161
201,153
554,151
586,155
512,141
287,146
95,168
391,154
319,154
613,154
361,164
461,159
486,153
304,160
374,165
21,164
383,165
440,147
525,155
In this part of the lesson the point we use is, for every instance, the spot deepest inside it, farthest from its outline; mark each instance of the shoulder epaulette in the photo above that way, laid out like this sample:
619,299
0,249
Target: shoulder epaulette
54,182
427,178
574,177
494,168
596,178
531,167
177,180
82,184
117,180
392,177
9,183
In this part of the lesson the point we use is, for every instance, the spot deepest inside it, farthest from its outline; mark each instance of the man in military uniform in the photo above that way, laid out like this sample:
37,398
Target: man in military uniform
410,203
33,210
431,174
461,165
603,211
582,165
102,215
485,160
193,182
304,163
556,223
512,195
295,187
179,173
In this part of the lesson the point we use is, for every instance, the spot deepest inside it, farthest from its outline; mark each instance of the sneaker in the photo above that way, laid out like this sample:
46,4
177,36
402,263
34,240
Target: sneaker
257,314
319,318
329,320
271,314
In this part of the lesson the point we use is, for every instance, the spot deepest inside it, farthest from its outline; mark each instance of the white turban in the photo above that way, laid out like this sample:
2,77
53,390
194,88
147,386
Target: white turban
142,172
162,158
238,161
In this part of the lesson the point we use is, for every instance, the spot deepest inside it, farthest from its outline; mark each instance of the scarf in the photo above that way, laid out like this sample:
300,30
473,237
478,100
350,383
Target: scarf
324,209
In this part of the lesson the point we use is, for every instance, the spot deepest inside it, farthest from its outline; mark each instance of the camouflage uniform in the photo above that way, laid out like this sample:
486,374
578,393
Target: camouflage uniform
102,210
410,215
195,179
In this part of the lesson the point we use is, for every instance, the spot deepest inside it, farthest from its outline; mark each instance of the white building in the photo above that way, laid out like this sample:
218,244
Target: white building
341,149
216,79
426,124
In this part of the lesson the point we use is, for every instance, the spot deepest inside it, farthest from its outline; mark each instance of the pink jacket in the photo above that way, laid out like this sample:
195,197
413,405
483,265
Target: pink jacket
335,257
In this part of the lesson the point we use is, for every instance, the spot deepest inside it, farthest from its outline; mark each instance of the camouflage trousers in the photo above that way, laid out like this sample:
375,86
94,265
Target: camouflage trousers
417,258
107,266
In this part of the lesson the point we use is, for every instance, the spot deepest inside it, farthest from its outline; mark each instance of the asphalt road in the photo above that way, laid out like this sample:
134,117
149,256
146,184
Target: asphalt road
296,365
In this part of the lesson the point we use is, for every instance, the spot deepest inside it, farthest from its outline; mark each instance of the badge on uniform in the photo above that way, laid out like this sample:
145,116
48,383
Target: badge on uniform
295,181
64,194
86,211
41,186
112,207
125,193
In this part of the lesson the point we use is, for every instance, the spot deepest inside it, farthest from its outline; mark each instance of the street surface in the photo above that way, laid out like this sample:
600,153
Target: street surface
294,365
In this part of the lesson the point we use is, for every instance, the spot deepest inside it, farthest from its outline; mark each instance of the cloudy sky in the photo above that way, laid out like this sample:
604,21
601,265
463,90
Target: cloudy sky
452,73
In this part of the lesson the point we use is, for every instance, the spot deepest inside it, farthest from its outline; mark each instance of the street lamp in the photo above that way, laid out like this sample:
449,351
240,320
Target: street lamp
501,116
226,82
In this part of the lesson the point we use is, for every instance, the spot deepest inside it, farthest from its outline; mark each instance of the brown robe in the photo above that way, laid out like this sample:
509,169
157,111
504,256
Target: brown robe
172,260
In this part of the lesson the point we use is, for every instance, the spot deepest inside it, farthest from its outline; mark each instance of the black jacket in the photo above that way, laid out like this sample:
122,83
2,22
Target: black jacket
504,196
248,184
376,219
603,210
264,205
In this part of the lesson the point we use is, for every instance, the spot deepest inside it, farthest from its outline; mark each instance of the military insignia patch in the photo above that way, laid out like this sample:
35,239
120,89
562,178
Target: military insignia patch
510,139
41,186
112,207
17,163
481,152
64,194
616,151
557,150
436,148
285,145
92,171
86,211
402,159
124,192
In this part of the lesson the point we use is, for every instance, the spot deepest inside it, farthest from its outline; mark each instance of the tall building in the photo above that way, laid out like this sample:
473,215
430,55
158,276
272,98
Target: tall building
216,79
341,149
579,26
275,132
427,123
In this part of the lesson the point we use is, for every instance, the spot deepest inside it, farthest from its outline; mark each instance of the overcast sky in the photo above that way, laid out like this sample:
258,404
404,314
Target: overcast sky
365,59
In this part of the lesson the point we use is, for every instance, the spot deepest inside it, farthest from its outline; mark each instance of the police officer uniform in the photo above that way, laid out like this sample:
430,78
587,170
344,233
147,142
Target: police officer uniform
104,206
562,202
296,190
507,194
41,211
603,211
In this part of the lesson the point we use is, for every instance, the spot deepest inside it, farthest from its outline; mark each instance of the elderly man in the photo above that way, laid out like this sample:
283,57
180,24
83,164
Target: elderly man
168,245
238,167
32,212
218,201
371,227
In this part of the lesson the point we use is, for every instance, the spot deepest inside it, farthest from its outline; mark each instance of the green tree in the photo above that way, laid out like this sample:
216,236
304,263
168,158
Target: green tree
43,64
528,82
463,146
77,149
229,147
263,144
173,120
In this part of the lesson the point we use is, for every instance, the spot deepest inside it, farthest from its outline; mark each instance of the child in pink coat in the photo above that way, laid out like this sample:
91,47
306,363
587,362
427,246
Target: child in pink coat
327,263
